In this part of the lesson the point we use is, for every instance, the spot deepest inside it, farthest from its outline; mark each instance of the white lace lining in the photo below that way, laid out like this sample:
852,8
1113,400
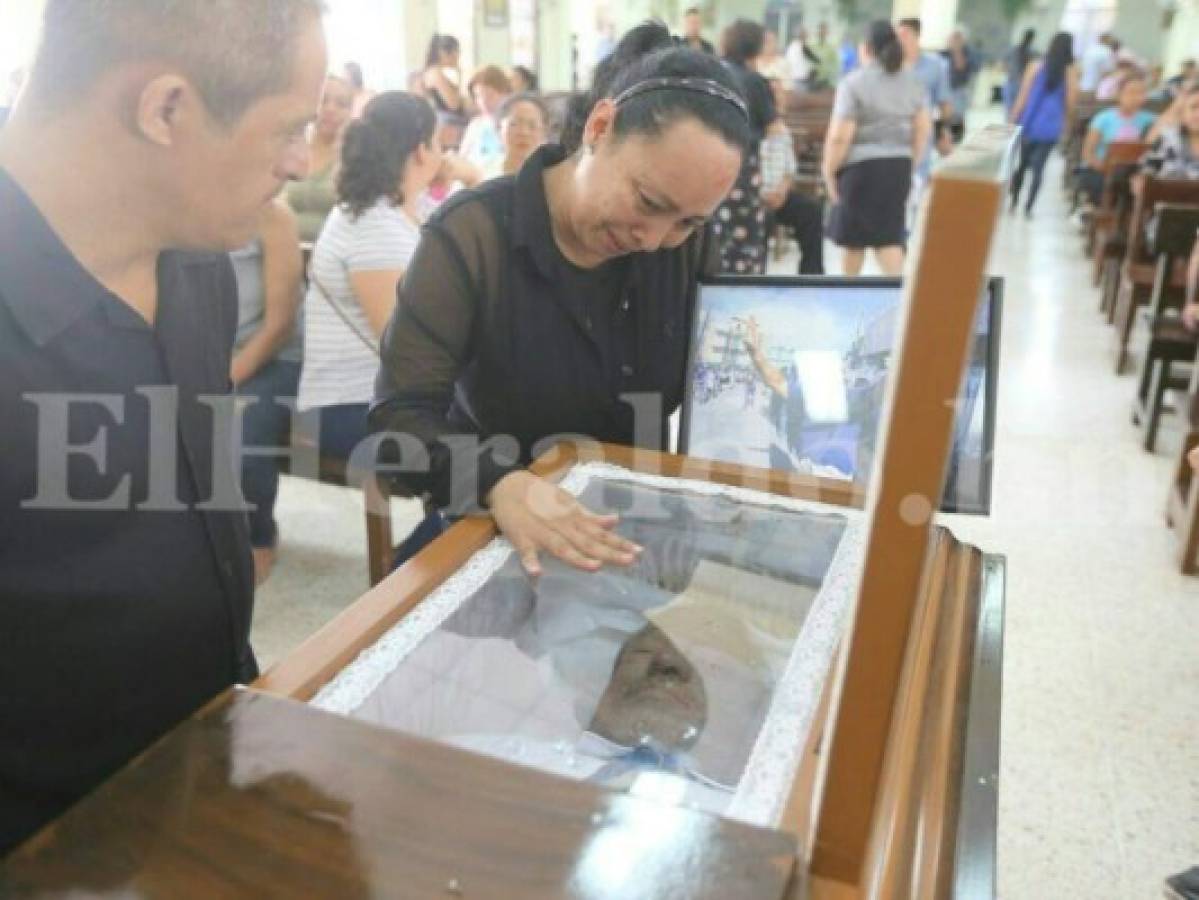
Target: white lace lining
761,796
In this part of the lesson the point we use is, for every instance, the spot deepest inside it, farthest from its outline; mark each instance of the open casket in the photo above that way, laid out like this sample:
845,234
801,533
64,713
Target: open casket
794,692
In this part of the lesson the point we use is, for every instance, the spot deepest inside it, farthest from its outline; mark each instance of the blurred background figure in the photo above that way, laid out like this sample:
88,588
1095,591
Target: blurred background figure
963,63
311,198
1097,61
1015,65
389,157
1042,107
266,366
772,64
741,219
352,72
880,124
489,88
443,86
524,80
524,126
692,35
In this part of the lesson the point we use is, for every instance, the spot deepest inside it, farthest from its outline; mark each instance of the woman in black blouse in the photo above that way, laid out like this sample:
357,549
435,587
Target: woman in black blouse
549,303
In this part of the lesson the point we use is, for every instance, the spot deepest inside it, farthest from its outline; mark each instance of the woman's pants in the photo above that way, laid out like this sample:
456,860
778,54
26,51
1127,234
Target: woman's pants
805,217
1033,156
266,423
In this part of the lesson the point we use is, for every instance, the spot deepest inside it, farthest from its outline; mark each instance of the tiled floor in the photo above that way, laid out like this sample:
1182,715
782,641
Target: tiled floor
1099,796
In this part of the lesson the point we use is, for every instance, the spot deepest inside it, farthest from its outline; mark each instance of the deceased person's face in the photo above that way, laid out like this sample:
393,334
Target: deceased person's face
654,694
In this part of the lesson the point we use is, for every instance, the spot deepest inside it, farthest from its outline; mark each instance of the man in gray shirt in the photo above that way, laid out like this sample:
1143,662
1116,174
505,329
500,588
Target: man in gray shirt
933,73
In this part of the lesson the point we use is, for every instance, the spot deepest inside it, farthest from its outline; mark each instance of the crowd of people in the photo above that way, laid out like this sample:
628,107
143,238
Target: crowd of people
447,266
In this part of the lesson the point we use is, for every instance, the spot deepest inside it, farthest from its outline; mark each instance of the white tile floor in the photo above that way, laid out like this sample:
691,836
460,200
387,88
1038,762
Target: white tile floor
1099,796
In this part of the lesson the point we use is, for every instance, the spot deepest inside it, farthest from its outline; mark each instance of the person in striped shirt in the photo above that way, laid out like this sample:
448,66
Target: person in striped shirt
389,156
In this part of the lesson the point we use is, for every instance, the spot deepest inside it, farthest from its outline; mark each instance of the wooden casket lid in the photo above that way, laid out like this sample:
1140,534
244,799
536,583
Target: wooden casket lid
259,796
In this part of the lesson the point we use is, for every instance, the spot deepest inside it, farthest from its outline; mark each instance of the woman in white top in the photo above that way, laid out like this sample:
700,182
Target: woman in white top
388,158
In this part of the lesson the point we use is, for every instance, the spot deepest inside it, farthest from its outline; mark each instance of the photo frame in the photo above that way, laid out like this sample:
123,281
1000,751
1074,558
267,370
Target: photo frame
810,401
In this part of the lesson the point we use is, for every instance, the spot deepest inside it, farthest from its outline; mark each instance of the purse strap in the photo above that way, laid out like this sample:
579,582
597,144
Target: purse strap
370,343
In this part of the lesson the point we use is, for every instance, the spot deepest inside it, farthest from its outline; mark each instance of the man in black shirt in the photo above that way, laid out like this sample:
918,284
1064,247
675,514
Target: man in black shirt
692,32
147,135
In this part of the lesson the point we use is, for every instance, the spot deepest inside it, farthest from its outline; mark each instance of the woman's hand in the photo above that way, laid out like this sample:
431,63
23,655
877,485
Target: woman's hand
535,515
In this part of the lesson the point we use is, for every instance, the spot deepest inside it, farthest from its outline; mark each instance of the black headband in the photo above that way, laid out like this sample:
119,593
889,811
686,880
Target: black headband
675,83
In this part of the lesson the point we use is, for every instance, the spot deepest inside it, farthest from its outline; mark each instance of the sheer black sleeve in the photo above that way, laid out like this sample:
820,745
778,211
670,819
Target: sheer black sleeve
427,345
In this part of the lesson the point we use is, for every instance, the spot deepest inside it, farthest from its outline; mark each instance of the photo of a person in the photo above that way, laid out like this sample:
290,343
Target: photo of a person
792,378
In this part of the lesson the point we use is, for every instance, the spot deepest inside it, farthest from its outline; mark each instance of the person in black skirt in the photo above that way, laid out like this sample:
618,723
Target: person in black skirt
880,123
740,226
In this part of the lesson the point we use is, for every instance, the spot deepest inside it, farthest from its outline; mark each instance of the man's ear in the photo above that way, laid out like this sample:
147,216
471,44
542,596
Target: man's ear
163,107
599,123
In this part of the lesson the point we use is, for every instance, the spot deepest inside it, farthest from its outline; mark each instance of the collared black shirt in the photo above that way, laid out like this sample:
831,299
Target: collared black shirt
115,621
495,333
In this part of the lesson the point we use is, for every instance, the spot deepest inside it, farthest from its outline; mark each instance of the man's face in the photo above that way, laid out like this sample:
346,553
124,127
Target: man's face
654,696
692,24
909,40
222,177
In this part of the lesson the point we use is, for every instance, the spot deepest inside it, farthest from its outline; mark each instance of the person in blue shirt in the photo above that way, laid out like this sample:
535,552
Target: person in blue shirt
1042,107
1126,121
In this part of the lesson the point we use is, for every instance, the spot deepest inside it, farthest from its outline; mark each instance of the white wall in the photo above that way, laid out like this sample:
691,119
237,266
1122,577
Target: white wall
1182,42
19,24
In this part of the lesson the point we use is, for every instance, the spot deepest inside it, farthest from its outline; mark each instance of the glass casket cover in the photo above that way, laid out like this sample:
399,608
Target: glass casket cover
691,676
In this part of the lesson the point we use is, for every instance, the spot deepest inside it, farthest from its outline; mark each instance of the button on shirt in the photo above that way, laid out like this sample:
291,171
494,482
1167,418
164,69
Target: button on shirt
125,609
495,333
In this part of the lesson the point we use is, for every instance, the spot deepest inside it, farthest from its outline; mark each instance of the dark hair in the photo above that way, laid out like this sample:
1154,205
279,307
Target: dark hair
911,22
510,103
438,44
1024,48
742,41
354,75
376,147
691,11
1058,58
645,52
234,52
529,76
884,45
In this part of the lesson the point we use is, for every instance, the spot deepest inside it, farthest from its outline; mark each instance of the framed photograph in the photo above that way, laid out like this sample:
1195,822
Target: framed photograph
789,373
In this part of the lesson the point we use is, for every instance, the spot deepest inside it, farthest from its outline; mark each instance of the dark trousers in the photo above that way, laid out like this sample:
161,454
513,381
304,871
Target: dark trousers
1090,185
805,217
1033,156
342,429
266,423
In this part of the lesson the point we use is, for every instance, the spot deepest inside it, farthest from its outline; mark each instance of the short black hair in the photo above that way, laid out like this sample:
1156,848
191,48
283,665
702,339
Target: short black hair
645,52
884,45
691,11
912,22
234,52
377,145
742,40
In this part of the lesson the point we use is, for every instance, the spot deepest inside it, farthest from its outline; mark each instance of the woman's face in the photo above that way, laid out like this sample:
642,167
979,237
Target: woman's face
337,102
449,58
522,130
640,193
487,99
1190,113
1132,95
423,165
